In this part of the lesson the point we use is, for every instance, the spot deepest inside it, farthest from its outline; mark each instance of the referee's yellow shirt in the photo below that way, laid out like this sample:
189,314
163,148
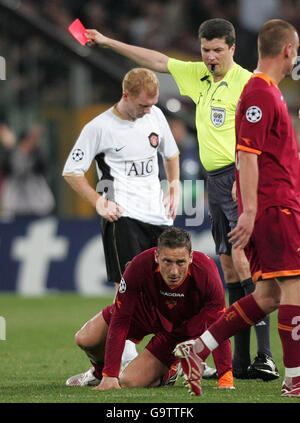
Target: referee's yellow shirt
216,104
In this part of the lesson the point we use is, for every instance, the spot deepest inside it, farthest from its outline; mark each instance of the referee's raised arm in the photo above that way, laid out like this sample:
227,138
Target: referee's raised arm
147,58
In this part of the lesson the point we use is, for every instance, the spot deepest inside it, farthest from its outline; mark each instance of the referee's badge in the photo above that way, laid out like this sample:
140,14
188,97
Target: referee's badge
153,139
217,116
122,287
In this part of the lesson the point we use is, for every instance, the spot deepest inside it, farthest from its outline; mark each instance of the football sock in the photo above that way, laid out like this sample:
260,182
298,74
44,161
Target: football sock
98,366
164,379
288,323
129,352
239,316
262,328
241,357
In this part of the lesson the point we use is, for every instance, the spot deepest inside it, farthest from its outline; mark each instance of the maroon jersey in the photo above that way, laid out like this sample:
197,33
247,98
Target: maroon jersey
264,127
145,300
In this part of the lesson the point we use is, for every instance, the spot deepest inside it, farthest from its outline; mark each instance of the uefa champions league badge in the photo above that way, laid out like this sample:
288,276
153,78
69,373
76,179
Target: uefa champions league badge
122,287
253,114
77,154
217,116
153,139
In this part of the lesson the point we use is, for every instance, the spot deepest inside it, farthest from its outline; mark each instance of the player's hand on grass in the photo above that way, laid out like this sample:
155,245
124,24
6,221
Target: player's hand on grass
240,235
108,209
107,383
95,37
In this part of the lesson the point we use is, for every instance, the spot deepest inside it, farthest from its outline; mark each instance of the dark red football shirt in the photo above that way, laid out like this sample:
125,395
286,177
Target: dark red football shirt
264,127
146,300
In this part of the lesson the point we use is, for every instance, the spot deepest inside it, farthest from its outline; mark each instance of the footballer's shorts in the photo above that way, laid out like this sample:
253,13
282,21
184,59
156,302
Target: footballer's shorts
123,240
274,247
161,345
223,211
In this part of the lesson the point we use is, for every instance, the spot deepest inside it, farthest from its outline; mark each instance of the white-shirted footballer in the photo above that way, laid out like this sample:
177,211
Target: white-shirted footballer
126,161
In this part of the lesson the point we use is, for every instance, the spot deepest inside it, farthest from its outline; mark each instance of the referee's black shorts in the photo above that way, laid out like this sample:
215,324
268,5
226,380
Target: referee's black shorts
123,240
223,211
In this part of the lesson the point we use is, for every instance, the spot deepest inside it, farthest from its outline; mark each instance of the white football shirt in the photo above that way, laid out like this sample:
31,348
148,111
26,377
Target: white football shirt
126,161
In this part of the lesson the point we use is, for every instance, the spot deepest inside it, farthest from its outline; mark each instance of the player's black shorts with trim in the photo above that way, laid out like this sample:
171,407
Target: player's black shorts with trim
123,240
223,211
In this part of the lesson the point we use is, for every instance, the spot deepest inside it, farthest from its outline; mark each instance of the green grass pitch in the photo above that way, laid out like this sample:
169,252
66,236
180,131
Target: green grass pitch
39,354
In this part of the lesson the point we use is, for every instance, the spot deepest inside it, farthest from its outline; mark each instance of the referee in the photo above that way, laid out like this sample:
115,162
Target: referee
215,86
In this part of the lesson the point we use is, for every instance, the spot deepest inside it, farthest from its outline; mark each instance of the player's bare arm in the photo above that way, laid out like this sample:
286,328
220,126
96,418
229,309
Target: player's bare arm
233,192
171,199
107,209
240,235
107,383
147,58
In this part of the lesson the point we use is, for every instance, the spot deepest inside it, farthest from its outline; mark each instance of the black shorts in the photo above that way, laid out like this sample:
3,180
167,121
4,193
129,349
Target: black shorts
123,240
223,211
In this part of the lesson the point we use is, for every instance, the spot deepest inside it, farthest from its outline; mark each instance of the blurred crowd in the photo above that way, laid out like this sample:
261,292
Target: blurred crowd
166,25
24,180
163,24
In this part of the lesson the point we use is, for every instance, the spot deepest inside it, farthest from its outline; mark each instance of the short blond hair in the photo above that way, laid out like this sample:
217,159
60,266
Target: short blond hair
139,79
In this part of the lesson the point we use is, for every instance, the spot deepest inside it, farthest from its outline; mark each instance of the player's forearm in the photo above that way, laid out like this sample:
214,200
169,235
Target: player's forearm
150,59
248,178
115,343
144,57
125,304
80,184
172,171
171,199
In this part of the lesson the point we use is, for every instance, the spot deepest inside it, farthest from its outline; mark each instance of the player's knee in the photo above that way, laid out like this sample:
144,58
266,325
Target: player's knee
267,303
230,274
271,305
83,340
274,303
79,339
126,381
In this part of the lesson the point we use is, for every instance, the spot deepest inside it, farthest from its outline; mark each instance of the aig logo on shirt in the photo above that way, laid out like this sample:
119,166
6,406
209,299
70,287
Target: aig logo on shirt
217,116
139,168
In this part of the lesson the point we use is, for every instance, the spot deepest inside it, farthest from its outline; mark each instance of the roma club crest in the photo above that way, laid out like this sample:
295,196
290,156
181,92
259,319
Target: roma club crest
153,139
217,116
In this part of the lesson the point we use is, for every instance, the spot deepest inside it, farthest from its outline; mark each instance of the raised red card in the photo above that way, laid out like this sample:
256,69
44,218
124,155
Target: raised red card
78,30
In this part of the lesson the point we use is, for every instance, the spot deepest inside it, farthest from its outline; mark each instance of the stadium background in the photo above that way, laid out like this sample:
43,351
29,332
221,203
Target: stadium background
53,81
